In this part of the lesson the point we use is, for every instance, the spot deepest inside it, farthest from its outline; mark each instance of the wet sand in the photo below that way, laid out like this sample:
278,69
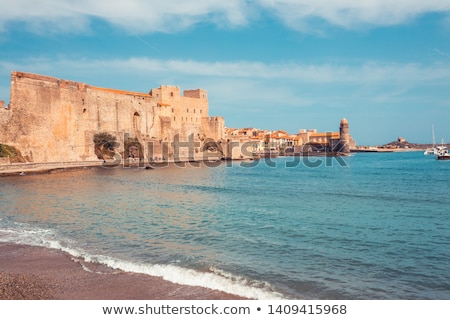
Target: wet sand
36,273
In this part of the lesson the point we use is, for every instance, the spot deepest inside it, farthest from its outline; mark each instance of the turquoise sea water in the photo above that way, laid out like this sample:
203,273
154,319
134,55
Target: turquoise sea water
370,226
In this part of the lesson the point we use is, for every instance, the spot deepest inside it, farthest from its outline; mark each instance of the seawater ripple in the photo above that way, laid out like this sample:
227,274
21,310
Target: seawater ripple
377,228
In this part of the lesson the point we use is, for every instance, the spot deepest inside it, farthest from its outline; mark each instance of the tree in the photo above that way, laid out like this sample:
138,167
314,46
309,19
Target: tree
104,145
105,139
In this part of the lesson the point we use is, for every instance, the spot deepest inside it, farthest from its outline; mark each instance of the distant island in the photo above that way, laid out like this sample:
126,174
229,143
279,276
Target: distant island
399,145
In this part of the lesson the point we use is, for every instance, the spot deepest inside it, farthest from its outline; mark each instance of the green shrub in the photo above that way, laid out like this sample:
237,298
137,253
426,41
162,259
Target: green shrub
11,152
105,140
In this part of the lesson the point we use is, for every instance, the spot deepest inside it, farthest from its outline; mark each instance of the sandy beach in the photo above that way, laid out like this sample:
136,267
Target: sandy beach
36,273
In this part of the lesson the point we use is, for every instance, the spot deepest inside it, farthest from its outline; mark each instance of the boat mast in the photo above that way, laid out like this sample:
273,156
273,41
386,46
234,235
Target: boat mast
434,138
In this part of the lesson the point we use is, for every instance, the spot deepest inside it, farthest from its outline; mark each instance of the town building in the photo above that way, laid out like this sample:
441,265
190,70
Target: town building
305,141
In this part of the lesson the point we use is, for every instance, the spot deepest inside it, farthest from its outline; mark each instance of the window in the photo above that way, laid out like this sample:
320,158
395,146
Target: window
136,121
171,94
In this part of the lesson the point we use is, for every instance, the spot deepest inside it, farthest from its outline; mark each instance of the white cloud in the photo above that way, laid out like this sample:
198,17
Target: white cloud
445,54
143,16
368,72
134,15
255,83
301,14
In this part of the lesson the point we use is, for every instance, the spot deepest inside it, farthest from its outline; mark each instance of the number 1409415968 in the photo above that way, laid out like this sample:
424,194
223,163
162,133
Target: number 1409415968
307,309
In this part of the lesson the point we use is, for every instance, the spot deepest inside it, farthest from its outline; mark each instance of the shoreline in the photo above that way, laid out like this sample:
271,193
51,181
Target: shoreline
32,168
19,169
39,273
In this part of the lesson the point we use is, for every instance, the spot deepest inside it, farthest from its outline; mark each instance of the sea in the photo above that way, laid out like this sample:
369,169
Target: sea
371,226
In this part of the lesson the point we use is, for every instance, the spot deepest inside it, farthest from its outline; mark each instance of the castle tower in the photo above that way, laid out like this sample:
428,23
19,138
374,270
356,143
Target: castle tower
344,140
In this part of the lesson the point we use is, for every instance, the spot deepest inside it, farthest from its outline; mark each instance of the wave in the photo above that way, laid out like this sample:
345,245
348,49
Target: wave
214,278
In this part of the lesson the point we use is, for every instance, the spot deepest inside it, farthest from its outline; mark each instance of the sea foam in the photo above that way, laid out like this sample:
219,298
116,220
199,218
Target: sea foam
215,278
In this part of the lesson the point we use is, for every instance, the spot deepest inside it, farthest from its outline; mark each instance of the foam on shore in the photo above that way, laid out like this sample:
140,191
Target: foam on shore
214,278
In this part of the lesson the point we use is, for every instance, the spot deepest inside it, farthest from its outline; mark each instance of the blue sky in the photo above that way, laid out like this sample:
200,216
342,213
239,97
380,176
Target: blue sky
269,64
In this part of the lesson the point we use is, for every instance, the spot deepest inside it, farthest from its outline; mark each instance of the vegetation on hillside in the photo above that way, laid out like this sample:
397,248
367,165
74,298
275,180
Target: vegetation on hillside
11,152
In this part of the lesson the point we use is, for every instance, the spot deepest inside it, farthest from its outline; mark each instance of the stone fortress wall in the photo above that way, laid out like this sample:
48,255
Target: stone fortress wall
53,120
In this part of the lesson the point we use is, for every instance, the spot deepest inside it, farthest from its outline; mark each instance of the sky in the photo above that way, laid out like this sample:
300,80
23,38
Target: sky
269,64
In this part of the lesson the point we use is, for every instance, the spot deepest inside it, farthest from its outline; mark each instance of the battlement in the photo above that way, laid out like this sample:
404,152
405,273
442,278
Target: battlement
33,76
165,92
215,119
80,86
197,93
2,105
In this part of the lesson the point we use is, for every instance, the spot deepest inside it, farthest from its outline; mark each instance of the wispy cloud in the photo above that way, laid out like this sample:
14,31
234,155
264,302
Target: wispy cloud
172,15
368,72
305,15
365,79
133,15
445,54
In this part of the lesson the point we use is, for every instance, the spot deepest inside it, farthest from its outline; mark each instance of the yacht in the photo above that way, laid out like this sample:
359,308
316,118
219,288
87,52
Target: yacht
442,152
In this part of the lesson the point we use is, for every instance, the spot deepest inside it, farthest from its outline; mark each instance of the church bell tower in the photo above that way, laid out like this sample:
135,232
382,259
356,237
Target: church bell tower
344,140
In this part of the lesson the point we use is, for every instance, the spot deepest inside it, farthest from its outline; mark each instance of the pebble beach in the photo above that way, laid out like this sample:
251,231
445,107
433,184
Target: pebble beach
37,273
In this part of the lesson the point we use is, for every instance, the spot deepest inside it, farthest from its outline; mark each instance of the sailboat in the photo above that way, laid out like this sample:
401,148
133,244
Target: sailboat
433,149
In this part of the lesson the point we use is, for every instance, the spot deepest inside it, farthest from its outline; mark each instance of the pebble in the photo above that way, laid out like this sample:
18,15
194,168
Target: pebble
15,286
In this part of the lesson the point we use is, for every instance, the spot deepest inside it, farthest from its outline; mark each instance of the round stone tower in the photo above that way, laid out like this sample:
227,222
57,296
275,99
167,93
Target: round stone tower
344,140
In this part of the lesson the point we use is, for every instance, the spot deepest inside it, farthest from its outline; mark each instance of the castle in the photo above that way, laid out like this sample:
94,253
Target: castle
51,120
56,120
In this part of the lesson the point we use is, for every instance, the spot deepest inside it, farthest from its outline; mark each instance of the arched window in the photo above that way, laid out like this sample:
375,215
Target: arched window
136,121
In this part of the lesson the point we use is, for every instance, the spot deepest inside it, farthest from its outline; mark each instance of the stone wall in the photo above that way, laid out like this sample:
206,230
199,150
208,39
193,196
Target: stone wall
54,120
4,113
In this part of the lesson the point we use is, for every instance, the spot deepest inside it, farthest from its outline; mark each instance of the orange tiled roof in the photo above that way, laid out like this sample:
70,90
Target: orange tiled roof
332,135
